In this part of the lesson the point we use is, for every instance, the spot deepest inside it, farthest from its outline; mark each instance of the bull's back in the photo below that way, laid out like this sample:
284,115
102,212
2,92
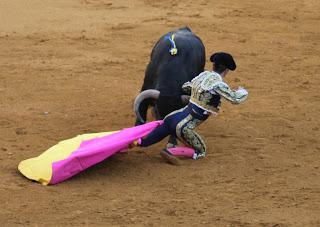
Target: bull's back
171,71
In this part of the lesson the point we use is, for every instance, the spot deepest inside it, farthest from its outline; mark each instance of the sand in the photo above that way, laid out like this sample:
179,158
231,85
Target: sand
74,67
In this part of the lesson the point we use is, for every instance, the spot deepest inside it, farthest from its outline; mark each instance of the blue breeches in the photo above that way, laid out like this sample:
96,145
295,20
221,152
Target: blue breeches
180,124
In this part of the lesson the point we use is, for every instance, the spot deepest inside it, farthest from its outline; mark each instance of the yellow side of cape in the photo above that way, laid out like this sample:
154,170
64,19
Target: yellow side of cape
40,168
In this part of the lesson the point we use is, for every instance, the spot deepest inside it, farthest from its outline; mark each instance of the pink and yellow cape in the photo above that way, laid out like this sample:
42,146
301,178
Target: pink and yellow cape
69,157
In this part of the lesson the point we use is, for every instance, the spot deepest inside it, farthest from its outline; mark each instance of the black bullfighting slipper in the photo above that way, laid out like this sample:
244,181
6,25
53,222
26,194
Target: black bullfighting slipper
170,157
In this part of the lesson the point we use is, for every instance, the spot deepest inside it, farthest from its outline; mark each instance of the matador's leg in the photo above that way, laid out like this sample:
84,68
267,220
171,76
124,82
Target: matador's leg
195,141
155,136
187,135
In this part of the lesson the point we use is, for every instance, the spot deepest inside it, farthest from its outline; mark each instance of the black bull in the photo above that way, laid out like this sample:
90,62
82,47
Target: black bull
166,73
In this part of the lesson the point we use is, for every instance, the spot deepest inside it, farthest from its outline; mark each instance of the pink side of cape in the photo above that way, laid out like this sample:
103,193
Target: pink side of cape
93,151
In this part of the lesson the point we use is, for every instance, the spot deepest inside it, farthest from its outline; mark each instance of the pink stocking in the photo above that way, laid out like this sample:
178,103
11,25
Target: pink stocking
182,151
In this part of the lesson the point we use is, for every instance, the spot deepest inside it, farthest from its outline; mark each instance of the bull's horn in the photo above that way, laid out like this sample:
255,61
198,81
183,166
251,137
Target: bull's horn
150,93
185,99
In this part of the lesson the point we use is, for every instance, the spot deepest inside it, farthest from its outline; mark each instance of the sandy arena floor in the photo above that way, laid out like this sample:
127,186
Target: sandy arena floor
74,66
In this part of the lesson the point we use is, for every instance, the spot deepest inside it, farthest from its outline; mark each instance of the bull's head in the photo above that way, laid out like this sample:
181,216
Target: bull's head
162,106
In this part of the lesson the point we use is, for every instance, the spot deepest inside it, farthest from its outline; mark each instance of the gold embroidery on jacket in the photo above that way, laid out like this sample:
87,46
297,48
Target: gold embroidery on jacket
200,91
185,133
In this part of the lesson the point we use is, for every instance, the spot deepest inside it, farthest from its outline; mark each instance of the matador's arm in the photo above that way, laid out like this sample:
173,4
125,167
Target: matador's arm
186,87
234,96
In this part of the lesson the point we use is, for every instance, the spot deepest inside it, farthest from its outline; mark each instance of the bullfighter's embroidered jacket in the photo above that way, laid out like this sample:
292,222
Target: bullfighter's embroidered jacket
207,88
